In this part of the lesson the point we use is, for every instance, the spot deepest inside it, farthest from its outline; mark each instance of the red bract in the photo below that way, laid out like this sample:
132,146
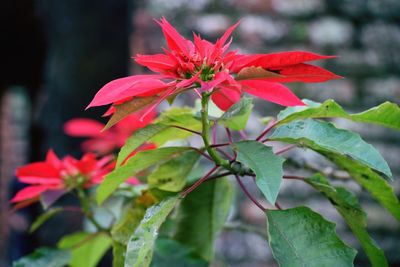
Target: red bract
108,141
59,174
211,67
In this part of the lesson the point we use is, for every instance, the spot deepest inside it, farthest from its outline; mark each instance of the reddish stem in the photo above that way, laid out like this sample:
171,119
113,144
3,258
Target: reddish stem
243,135
202,153
224,153
267,129
229,134
186,129
248,194
283,150
218,176
199,182
214,133
219,145
294,177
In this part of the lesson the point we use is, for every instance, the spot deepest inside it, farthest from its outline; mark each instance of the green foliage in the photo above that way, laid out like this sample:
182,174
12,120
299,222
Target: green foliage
161,131
266,165
171,176
301,237
347,205
378,187
202,215
236,117
141,244
170,253
189,223
87,249
43,256
386,114
43,218
141,161
323,136
122,230
118,252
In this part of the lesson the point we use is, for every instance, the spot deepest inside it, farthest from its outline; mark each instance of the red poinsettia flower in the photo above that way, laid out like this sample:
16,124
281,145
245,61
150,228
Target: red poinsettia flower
105,142
60,174
210,66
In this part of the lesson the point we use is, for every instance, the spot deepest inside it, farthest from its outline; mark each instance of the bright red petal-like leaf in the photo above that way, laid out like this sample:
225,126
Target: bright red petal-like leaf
275,60
226,35
137,85
273,92
225,97
52,159
99,145
38,169
83,128
29,192
304,73
157,62
175,41
40,180
134,122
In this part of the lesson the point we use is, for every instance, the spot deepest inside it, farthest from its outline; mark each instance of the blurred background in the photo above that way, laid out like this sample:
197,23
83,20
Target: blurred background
57,54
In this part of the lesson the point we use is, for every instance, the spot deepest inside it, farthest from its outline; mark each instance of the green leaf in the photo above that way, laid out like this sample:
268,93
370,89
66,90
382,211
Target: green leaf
118,252
169,252
236,117
141,161
48,257
126,108
171,176
141,244
347,205
323,136
386,114
266,165
162,131
87,249
378,187
43,218
122,230
300,237
202,214
138,138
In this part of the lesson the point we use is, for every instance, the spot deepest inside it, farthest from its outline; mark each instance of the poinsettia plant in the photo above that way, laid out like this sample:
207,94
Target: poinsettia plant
167,199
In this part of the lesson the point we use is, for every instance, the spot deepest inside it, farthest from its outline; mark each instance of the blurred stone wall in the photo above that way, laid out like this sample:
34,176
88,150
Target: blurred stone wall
365,34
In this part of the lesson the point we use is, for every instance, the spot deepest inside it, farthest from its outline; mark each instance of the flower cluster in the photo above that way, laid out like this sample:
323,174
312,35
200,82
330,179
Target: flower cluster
106,142
61,174
205,66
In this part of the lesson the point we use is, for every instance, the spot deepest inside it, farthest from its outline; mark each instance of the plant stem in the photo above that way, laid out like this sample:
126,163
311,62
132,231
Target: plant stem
269,127
219,145
205,97
202,153
199,182
216,176
85,202
294,177
283,150
186,129
229,135
248,194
